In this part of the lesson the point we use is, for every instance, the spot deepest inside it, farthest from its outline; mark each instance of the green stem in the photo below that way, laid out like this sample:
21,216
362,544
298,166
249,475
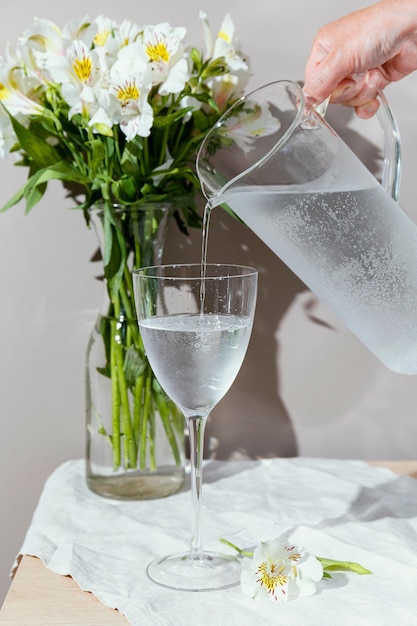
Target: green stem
138,407
152,440
135,395
164,143
239,550
144,161
130,446
178,138
145,418
115,400
126,288
164,412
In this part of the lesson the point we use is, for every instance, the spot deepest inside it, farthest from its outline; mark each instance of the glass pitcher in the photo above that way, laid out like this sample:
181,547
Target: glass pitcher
284,171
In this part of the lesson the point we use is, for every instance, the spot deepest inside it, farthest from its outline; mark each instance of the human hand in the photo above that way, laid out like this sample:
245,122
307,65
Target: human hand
354,57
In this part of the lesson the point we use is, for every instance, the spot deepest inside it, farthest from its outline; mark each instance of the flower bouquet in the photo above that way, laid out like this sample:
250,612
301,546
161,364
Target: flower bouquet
117,112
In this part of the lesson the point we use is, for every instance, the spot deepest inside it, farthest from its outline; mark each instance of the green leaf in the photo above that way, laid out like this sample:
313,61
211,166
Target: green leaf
19,195
201,120
134,365
148,191
98,153
216,67
34,145
104,371
329,565
36,185
129,160
166,120
196,58
115,253
33,195
124,190
58,171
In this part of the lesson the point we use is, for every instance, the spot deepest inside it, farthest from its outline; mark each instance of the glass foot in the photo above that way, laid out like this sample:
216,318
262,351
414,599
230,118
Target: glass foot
207,572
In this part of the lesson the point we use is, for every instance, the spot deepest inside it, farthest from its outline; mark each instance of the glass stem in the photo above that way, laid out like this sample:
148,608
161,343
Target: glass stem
196,427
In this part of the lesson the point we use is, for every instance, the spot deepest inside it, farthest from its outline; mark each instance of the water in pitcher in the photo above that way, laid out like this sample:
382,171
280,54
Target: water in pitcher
353,251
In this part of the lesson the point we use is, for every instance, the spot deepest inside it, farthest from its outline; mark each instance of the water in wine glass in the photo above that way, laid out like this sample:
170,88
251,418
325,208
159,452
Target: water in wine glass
196,356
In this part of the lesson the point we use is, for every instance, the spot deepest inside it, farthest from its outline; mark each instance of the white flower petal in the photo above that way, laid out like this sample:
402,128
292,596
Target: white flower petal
176,80
208,39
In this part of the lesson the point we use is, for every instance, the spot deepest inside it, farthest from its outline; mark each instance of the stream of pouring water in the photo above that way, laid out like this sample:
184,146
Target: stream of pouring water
204,246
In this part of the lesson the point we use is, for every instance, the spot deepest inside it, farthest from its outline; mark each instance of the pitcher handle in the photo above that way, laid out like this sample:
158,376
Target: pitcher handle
391,173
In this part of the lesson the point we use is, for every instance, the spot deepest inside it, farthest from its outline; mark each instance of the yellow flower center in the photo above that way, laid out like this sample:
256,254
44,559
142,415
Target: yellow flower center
101,38
271,576
157,52
4,92
83,68
223,35
128,92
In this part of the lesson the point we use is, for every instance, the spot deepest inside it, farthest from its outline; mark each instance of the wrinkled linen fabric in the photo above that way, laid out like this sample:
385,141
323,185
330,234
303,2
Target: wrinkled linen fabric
344,510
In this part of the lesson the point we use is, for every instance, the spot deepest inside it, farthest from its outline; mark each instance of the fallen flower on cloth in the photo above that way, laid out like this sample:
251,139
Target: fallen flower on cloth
280,571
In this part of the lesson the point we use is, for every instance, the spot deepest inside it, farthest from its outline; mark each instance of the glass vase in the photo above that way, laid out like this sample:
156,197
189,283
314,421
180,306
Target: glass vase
135,433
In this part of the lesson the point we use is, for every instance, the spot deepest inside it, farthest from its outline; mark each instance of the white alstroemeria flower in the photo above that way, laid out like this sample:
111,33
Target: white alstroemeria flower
280,571
225,46
46,40
131,81
165,52
44,37
76,67
79,73
16,91
102,30
250,122
128,32
100,39
110,38
78,29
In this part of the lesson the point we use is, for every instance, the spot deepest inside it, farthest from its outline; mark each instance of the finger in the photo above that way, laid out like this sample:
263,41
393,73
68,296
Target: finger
320,81
362,92
349,88
367,110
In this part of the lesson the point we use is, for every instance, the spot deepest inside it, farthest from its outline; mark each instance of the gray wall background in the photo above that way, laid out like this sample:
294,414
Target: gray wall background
307,386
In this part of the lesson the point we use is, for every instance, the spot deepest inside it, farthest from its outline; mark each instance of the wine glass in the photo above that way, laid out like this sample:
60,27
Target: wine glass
195,328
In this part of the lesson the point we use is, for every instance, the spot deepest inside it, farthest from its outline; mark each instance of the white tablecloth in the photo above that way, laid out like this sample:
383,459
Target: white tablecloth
337,509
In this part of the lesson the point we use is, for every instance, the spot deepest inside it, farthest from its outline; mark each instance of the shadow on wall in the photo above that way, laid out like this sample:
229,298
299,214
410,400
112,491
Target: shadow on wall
252,420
